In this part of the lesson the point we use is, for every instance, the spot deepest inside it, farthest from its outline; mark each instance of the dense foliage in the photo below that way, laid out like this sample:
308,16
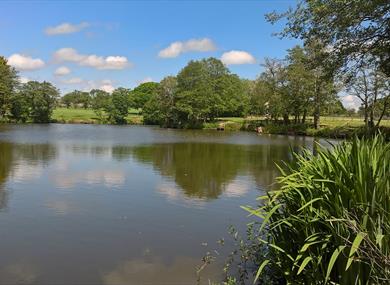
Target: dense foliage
202,91
352,30
329,222
34,101
294,87
8,84
140,95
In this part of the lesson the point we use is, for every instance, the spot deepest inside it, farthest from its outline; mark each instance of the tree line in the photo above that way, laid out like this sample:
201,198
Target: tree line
287,91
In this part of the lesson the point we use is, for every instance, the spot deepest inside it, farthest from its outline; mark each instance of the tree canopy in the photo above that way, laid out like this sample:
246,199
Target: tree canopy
350,30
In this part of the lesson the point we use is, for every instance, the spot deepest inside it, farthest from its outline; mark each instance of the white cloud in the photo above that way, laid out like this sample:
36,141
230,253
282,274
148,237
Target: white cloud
65,28
351,101
105,84
237,57
74,80
62,70
197,45
98,62
24,62
107,87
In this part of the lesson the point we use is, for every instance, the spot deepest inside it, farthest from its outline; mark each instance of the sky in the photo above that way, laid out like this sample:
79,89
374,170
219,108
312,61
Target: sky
107,44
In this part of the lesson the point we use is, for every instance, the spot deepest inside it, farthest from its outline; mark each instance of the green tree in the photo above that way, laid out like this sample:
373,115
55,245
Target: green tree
143,93
8,84
42,98
119,107
99,101
76,98
372,87
299,78
195,100
160,109
272,84
20,107
351,30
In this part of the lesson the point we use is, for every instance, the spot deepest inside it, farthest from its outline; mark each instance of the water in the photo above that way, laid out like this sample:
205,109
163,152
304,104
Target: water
91,204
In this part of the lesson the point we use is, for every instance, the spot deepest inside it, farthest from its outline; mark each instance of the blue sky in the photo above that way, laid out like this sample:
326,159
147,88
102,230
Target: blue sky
122,43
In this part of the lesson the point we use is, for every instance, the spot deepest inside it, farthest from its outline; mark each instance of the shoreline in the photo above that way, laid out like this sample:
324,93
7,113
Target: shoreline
338,132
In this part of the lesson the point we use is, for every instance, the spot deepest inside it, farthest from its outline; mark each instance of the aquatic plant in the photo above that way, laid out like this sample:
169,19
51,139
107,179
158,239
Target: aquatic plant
329,222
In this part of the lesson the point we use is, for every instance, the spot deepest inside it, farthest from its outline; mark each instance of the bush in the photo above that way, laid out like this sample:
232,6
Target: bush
329,222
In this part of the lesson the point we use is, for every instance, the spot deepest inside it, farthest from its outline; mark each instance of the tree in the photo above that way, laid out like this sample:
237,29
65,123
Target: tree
119,107
160,109
272,84
8,84
233,94
76,98
20,107
372,87
196,99
323,86
351,30
99,101
42,97
142,94
300,79
202,91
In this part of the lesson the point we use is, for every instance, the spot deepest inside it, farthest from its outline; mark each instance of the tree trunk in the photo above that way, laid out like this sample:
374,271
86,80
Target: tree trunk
286,121
304,116
316,117
366,114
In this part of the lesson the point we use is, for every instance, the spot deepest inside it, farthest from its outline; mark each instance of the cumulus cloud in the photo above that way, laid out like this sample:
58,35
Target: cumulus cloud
192,45
237,57
98,62
351,102
62,70
25,62
87,85
65,28
108,87
74,80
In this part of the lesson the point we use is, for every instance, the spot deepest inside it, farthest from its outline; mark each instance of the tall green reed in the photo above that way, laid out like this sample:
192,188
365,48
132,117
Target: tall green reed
329,222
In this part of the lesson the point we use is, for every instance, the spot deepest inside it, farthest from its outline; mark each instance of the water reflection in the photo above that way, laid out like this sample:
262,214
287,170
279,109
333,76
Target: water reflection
5,168
154,270
21,272
124,205
207,170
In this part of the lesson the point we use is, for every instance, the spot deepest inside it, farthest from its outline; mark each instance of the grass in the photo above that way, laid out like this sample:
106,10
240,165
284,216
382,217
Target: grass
335,127
329,222
88,116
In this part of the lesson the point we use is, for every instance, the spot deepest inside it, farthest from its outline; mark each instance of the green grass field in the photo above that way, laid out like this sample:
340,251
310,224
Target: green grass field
329,126
328,121
88,116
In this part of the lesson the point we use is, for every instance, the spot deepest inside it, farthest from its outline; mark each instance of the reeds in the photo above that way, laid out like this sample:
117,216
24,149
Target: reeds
329,222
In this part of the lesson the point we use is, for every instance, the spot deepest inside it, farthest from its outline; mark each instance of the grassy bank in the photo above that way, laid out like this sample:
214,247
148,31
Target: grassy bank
332,127
88,116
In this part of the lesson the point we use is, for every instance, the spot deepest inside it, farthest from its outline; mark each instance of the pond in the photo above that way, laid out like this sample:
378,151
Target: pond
94,204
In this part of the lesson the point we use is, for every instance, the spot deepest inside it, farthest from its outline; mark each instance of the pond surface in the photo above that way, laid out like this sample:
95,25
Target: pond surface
91,204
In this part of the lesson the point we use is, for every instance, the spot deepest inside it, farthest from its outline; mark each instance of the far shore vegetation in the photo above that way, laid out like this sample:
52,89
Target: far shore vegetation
291,96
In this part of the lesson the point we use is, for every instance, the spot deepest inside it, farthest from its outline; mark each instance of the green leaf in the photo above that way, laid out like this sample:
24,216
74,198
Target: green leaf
355,246
263,264
270,213
309,203
332,261
304,263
